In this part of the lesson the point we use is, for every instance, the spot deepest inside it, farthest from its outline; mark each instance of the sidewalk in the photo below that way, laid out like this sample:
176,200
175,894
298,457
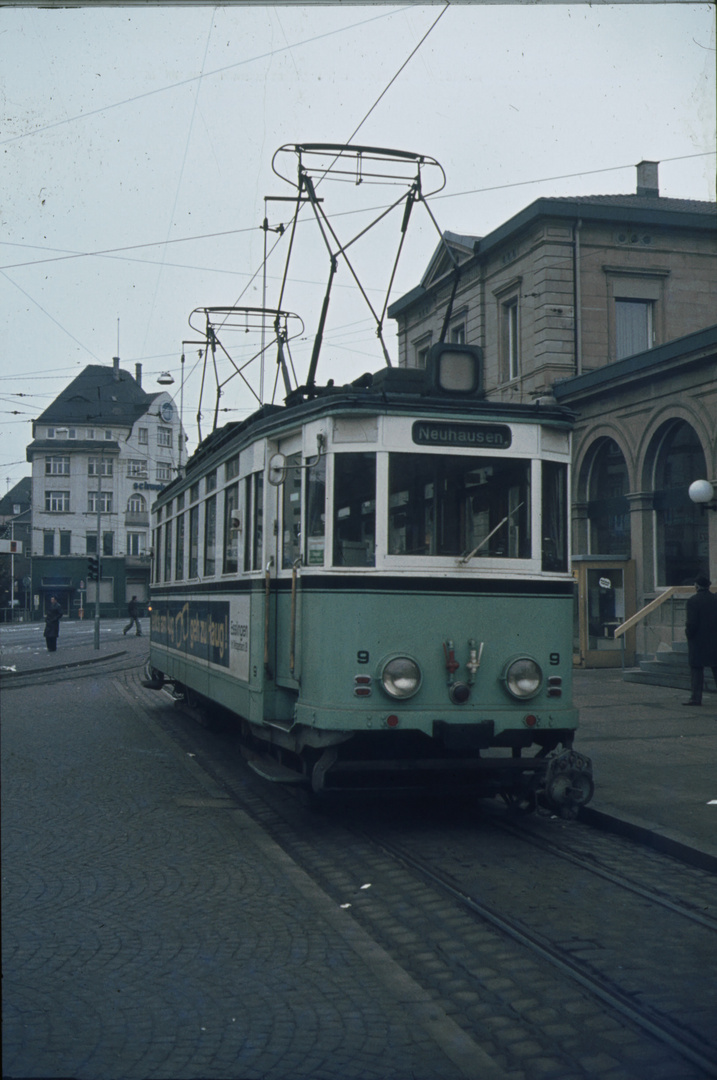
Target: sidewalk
654,761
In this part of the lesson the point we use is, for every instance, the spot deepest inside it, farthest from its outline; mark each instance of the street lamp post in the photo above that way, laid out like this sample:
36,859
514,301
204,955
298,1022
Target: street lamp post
702,492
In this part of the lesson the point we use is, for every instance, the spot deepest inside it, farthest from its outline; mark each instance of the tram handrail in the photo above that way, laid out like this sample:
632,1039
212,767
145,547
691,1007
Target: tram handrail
686,590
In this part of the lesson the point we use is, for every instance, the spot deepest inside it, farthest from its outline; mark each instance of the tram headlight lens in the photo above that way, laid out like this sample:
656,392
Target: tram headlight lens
401,677
523,678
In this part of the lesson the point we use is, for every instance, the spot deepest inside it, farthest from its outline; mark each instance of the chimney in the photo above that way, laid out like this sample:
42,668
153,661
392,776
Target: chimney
647,181
115,368
138,374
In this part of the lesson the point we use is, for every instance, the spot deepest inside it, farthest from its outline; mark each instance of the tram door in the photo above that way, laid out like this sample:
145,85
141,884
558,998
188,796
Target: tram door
605,599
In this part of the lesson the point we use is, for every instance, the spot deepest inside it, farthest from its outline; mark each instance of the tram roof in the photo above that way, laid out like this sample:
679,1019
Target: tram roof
392,391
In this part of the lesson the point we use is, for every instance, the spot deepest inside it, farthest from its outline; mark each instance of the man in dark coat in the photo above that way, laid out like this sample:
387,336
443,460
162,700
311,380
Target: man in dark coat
701,634
133,612
52,624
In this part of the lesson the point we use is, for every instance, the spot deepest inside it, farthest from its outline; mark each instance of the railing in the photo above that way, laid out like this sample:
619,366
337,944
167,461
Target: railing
659,631
682,590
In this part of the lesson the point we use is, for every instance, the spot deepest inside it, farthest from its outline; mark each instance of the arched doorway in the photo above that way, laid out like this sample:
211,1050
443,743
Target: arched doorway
681,538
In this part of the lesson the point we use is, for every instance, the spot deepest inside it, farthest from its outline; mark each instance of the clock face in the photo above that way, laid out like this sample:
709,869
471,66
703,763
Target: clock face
166,411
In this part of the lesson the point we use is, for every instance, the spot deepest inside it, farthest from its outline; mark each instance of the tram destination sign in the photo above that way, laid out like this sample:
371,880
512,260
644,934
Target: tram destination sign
439,433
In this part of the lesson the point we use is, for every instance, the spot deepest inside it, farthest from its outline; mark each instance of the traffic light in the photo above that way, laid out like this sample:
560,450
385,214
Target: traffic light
93,568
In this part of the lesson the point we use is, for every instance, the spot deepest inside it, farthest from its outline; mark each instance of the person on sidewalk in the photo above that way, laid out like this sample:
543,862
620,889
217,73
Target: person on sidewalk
701,634
133,612
52,624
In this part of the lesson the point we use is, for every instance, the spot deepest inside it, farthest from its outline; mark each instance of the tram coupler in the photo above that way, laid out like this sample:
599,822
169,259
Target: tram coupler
568,783
153,680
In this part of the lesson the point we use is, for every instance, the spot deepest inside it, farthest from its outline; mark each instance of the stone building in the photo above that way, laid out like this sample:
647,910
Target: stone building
606,303
100,452
16,532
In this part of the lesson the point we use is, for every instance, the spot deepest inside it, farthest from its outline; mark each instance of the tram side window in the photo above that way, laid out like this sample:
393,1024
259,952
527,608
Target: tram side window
443,505
210,535
258,535
315,513
253,524
355,510
168,551
555,516
231,533
291,512
158,553
194,542
179,557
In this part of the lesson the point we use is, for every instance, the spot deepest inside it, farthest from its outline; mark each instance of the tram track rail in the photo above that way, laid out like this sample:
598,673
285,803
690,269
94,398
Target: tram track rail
463,947
658,1026
592,867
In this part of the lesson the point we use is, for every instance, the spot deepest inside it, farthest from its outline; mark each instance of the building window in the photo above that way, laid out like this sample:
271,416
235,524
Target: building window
90,433
136,543
51,433
421,351
633,326
458,334
91,543
136,467
136,504
108,541
510,338
71,433
108,435
65,538
680,528
143,436
48,542
164,471
608,507
57,466
57,502
164,436
210,535
100,466
105,502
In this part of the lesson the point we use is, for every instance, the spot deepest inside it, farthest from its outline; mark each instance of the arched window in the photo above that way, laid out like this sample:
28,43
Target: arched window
608,507
681,531
137,504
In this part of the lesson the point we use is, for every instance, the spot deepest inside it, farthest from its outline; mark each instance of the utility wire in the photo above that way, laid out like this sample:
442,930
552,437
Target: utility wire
347,213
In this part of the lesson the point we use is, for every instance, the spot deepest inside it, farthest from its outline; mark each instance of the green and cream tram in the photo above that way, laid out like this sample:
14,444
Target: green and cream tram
374,580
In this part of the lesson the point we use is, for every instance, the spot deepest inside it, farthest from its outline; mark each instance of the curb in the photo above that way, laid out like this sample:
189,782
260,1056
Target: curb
650,836
61,667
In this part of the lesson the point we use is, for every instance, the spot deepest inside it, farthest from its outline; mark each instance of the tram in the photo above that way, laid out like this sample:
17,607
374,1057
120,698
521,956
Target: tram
373,578
375,581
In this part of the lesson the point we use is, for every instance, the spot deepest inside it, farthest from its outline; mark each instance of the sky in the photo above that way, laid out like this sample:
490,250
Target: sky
136,153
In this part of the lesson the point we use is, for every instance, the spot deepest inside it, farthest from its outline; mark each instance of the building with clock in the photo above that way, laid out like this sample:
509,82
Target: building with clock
100,453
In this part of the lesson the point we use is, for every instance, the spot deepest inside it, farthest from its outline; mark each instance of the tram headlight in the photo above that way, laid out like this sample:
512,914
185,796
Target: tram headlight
400,677
523,677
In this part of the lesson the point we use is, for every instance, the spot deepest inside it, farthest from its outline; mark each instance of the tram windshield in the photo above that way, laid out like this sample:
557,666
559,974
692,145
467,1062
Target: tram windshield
450,505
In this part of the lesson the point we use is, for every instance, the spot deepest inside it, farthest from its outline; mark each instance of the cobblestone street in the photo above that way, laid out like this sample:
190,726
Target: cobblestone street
151,929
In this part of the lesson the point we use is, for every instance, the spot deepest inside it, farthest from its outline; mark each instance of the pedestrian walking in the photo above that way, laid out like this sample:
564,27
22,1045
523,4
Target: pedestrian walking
701,634
52,624
133,612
